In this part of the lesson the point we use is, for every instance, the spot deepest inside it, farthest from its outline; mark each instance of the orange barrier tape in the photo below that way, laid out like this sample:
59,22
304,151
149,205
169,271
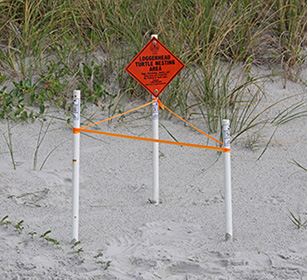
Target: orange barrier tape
157,100
108,119
154,100
163,106
221,149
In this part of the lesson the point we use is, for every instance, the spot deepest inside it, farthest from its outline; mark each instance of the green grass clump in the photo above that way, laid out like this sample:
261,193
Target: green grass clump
48,48
297,221
197,31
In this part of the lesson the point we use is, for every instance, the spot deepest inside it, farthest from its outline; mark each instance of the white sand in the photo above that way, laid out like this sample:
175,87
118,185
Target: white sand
182,238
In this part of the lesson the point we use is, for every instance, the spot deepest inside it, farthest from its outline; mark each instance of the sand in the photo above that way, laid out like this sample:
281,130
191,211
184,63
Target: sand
124,236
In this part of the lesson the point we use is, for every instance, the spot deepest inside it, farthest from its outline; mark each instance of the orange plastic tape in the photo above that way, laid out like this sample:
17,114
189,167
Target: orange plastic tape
160,106
157,100
76,130
221,149
108,119
163,106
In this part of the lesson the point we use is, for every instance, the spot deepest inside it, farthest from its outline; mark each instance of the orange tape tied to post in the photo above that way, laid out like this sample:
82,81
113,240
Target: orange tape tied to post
154,100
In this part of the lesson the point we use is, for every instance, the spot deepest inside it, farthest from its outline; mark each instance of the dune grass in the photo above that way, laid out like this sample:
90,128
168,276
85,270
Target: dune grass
47,48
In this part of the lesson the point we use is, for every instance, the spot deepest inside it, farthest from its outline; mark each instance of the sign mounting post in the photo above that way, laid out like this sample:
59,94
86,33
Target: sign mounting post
154,67
155,145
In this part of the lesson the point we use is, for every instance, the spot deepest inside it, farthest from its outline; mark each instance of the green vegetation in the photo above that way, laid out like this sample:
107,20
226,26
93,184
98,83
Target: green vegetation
5,221
19,228
48,239
104,264
297,221
77,251
48,48
299,165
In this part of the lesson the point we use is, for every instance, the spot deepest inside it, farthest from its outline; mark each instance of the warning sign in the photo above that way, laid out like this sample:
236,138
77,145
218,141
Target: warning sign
154,67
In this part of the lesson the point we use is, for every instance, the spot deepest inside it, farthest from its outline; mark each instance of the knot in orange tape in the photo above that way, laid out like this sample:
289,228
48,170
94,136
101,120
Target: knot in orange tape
76,130
157,100
160,104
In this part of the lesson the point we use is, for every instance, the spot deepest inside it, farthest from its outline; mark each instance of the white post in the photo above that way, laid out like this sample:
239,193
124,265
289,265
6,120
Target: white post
155,151
227,180
76,166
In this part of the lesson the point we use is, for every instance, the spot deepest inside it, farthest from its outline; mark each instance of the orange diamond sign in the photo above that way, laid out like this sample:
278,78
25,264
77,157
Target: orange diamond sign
154,67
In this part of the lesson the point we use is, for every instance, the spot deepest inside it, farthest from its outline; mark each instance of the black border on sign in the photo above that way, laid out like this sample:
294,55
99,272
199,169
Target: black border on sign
175,57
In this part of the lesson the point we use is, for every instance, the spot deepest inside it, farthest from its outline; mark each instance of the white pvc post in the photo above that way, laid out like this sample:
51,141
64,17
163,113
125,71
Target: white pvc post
155,150
155,153
227,180
76,166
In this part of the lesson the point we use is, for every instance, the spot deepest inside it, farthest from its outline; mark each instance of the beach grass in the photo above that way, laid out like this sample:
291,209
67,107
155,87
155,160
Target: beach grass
47,48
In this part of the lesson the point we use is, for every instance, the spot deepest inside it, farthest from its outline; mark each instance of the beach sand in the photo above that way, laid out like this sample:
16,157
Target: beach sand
122,235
